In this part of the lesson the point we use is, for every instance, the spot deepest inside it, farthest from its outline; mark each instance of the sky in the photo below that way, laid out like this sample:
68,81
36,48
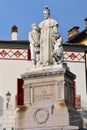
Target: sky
23,13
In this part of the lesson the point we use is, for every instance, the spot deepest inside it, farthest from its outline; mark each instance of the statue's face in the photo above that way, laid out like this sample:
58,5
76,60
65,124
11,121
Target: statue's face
46,15
35,27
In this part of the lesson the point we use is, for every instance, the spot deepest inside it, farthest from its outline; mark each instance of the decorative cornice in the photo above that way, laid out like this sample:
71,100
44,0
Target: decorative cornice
47,73
14,54
42,73
71,56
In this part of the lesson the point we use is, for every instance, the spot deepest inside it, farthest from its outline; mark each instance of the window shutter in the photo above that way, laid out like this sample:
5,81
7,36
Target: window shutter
20,92
29,54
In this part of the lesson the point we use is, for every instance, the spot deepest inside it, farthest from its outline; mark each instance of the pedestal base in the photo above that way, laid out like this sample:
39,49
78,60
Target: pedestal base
46,90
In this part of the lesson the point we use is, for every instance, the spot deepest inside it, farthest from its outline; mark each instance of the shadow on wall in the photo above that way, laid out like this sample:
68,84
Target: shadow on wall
1,106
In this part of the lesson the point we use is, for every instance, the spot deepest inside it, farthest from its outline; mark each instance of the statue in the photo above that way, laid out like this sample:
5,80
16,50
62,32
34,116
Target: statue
47,27
47,38
49,34
34,38
58,50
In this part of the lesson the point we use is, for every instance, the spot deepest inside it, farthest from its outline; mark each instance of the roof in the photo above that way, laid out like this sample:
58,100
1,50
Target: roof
73,28
74,47
14,44
78,37
25,44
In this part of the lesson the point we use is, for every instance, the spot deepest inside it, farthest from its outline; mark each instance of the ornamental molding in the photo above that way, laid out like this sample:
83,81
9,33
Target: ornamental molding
14,54
74,56
24,54
44,73
41,115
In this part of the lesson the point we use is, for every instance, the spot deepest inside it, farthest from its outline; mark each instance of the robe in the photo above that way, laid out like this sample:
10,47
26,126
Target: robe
48,27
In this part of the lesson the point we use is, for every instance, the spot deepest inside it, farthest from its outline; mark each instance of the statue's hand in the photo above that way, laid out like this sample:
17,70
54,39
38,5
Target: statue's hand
37,44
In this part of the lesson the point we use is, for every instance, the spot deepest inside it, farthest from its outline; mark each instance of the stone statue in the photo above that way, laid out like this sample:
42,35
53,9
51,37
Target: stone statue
46,39
48,27
58,50
34,38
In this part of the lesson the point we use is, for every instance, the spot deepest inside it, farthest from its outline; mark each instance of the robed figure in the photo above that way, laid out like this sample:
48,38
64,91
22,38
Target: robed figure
48,28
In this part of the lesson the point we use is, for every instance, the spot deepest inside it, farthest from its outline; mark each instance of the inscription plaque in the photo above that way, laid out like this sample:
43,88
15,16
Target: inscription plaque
44,93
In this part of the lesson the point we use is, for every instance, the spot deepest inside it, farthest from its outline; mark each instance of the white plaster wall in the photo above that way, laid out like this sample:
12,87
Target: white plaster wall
10,70
79,70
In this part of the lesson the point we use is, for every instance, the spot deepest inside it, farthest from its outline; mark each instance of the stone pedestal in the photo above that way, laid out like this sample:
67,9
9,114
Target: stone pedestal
48,99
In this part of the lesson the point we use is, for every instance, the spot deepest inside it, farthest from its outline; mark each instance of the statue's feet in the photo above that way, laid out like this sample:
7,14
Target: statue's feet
46,63
39,64
43,64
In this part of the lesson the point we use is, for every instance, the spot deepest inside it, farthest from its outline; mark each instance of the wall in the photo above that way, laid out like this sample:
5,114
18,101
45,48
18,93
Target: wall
10,70
76,63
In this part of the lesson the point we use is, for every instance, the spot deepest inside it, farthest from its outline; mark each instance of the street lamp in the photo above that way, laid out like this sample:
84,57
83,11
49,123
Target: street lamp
8,97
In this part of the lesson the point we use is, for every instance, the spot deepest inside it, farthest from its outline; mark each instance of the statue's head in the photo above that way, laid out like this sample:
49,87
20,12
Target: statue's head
35,27
46,12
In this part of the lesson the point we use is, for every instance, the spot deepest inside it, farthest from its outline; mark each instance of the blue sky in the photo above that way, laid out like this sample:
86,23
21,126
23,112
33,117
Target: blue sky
23,13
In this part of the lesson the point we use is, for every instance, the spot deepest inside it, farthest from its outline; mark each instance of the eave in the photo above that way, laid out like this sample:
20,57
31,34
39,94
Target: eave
74,47
14,44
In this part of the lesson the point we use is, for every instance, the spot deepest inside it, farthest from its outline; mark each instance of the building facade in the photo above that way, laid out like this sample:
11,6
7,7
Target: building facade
14,60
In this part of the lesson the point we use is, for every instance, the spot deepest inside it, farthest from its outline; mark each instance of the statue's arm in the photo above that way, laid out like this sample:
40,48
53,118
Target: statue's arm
55,29
31,38
55,34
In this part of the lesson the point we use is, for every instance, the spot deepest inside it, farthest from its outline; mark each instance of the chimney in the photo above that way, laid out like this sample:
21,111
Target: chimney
85,22
14,31
73,31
